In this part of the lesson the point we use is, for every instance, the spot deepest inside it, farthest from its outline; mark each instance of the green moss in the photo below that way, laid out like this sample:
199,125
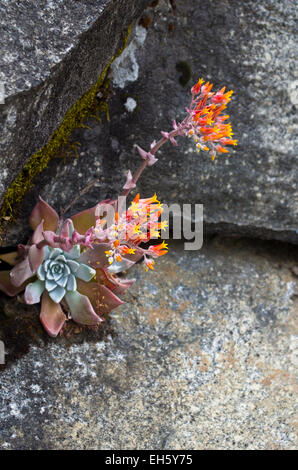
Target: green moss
184,68
58,143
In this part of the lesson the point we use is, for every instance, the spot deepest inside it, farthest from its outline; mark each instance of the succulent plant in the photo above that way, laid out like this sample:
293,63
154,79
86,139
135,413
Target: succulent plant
57,274
76,261
52,275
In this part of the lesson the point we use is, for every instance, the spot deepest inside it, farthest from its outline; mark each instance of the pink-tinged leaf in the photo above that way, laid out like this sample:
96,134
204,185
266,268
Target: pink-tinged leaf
165,134
89,289
122,286
126,263
76,237
85,240
151,159
22,250
37,235
7,287
117,285
102,299
135,257
35,257
100,211
119,266
108,301
67,229
129,184
65,244
81,309
142,153
20,273
43,211
51,315
50,238
86,219
11,258
96,257
148,156
33,292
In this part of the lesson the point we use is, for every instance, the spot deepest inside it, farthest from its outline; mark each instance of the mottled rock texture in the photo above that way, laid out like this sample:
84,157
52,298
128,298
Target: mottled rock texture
52,52
248,46
203,356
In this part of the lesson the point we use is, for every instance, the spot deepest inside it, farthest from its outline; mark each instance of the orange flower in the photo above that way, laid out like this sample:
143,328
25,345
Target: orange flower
125,250
149,264
206,88
196,88
207,127
221,149
226,141
160,249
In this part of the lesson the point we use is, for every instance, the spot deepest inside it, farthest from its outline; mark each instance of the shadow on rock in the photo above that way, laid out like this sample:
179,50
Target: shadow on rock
20,329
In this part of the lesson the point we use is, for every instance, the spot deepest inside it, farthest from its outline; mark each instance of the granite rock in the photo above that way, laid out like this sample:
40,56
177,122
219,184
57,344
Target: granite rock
250,47
202,356
51,54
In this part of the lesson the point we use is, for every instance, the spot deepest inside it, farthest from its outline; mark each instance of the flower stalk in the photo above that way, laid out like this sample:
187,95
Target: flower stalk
71,266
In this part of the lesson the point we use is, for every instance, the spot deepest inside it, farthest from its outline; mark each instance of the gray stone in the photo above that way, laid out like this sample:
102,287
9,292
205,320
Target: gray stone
249,47
202,356
52,52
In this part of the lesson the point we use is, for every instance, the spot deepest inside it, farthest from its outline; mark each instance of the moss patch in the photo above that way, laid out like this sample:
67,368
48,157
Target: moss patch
86,106
184,68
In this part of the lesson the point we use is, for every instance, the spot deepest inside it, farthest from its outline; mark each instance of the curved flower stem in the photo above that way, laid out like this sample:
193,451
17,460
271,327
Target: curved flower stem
144,164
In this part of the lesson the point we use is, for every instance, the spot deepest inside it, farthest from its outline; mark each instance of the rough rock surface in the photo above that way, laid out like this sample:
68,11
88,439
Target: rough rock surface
248,46
203,356
52,52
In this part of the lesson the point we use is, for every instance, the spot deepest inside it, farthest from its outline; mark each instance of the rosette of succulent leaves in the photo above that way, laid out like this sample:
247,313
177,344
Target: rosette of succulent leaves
71,266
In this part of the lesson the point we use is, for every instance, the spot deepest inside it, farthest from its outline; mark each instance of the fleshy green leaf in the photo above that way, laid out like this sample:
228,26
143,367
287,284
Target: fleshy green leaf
50,285
73,253
43,211
61,258
62,281
41,273
81,309
51,315
33,292
71,283
57,294
66,270
73,265
55,252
